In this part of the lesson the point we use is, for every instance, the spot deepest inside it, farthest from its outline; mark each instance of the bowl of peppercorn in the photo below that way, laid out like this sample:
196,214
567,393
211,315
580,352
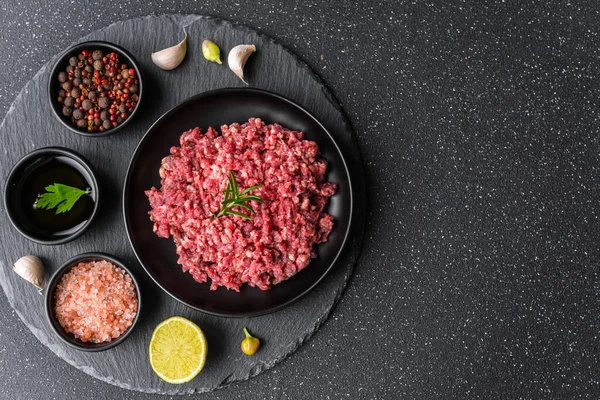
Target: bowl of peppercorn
95,88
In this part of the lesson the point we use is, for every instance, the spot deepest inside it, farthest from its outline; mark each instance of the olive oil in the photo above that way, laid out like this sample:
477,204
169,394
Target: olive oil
47,171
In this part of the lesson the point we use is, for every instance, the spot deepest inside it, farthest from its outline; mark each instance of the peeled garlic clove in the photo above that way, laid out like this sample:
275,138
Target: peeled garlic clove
31,269
237,59
171,57
211,51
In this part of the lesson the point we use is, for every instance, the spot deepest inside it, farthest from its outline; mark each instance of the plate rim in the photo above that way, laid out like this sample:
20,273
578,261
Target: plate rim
228,90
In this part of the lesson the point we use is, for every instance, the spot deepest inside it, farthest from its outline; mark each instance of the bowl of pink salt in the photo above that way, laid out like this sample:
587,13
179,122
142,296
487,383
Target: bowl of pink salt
93,302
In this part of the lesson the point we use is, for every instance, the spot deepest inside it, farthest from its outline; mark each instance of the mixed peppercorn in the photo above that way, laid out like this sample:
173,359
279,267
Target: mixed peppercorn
97,92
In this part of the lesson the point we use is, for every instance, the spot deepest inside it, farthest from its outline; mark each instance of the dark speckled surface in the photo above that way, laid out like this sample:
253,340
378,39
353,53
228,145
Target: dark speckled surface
478,124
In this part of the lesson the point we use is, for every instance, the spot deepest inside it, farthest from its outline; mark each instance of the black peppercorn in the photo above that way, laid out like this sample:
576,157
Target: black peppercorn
78,114
69,101
104,102
86,92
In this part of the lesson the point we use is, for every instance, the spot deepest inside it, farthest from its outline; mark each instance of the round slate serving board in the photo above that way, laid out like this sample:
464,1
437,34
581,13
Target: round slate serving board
29,125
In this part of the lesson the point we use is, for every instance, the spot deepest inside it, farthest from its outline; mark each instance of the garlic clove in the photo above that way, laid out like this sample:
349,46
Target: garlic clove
171,57
237,59
211,51
31,269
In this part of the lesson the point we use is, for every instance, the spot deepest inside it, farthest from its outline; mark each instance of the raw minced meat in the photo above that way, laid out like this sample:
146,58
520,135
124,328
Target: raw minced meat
230,250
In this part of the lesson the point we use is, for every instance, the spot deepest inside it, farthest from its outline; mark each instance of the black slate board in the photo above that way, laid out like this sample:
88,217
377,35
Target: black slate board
29,125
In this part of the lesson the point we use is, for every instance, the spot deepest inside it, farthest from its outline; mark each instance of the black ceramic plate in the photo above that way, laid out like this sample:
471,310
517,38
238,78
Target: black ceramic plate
158,256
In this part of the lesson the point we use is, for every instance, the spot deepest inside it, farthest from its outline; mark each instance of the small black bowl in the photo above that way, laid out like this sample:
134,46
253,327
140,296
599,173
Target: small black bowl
14,192
61,64
69,338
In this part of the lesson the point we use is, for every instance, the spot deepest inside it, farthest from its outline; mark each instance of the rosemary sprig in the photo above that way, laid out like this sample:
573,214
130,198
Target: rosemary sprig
233,198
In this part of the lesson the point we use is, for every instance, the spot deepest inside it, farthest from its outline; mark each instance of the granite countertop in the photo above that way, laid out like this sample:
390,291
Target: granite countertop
478,125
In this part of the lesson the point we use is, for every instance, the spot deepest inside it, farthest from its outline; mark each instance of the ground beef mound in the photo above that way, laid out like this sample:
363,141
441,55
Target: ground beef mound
230,250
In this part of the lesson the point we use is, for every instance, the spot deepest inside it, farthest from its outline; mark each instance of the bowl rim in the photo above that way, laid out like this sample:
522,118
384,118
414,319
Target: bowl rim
51,288
22,163
352,204
54,72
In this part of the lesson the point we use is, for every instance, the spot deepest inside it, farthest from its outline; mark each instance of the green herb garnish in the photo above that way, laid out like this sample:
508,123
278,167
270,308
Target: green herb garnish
233,198
59,196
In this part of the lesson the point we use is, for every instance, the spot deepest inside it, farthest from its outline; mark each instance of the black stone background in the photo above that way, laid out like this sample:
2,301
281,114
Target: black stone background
478,127
273,68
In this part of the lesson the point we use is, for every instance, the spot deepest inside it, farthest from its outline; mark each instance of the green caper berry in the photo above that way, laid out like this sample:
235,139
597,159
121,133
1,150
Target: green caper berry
250,344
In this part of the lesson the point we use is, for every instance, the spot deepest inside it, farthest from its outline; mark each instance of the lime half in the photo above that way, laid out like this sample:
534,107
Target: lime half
177,350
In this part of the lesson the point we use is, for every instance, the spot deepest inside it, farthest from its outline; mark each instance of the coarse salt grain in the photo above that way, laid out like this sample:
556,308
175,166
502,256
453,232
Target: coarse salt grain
96,301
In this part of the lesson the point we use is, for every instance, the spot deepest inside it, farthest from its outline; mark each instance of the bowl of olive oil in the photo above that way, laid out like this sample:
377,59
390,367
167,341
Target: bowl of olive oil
51,195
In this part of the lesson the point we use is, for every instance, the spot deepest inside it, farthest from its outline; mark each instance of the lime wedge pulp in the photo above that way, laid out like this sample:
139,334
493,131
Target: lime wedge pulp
177,350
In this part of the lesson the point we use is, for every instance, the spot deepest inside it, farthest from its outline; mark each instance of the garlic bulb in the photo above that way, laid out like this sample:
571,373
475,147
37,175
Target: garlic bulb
31,269
237,59
171,57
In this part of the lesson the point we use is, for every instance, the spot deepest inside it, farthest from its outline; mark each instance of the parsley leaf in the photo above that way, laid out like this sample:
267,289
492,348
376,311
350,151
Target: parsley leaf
59,196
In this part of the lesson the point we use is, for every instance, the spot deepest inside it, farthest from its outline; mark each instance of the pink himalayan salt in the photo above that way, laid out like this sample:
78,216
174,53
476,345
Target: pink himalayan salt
96,301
